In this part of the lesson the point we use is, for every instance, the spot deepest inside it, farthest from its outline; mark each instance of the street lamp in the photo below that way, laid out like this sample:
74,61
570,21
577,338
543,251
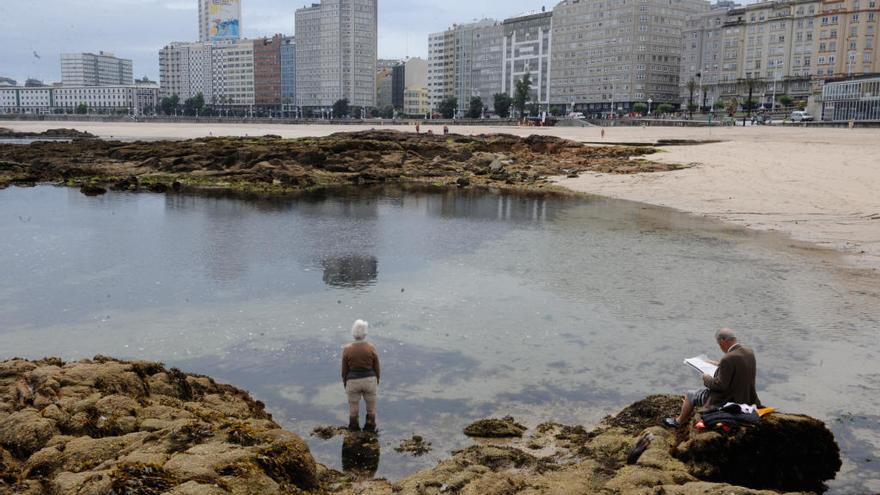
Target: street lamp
650,101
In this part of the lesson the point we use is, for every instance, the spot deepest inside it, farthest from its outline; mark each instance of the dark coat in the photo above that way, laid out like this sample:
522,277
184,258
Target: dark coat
734,381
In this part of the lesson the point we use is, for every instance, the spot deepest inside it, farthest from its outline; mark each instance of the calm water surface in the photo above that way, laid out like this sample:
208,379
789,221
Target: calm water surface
480,304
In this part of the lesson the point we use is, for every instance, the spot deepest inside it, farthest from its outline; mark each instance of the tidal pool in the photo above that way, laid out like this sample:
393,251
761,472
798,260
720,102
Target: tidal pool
481,304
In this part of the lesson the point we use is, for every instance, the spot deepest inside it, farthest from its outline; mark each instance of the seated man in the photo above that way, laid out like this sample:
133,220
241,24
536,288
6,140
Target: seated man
734,381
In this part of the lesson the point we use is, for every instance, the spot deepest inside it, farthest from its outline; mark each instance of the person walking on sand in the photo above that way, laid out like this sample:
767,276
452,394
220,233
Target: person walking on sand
360,376
418,129
734,380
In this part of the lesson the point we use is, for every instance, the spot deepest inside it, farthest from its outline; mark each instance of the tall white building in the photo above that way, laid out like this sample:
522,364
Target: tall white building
219,20
336,52
527,50
89,69
222,72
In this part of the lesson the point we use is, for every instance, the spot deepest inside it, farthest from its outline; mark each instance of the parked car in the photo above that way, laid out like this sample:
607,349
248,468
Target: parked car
577,115
801,116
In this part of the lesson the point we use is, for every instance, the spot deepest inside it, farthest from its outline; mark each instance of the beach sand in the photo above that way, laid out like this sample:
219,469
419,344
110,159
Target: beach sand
817,185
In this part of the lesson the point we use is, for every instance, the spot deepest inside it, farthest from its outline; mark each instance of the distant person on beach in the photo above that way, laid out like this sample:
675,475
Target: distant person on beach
445,130
734,380
418,129
360,376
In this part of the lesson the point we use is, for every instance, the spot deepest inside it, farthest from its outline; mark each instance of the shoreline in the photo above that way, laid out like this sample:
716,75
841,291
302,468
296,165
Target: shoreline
814,185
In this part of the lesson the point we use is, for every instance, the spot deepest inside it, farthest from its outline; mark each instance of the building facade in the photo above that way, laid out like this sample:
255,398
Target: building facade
416,102
267,73
611,54
90,69
337,44
134,99
441,67
288,74
526,48
223,73
219,20
385,88
787,47
398,85
852,99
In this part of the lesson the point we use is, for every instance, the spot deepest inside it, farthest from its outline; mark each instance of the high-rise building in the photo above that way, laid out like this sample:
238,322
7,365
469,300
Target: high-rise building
89,69
398,85
441,67
527,46
288,73
611,54
337,43
385,88
223,72
268,73
465,61
219,20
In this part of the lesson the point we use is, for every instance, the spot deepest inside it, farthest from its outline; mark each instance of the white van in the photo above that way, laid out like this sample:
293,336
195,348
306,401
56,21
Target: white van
801,116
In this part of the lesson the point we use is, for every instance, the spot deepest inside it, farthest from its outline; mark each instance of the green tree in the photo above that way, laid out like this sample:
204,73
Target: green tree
169,104
640,108
502,105
692,86
448,107
750,84
194,105
81,109
785,100
521,93
719,105
387,112
665,108
732,105
341,108
475,108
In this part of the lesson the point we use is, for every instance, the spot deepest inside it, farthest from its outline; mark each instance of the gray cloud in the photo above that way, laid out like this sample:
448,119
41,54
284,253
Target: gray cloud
138,29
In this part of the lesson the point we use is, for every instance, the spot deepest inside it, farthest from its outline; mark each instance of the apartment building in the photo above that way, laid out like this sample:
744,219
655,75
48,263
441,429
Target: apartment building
232,73
267,66
416,101
223,73
219,20
90,69
441,67
526,49
855,98
337,44
288,72
133,98
787,47
611,54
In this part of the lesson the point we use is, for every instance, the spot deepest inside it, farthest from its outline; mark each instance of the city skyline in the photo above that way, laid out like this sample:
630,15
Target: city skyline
138,29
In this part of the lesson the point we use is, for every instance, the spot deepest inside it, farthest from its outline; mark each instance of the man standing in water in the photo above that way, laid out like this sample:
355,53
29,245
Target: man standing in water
734,380
360,375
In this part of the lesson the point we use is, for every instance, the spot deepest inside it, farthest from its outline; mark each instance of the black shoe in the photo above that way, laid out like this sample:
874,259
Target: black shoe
671,423
370,425
353,425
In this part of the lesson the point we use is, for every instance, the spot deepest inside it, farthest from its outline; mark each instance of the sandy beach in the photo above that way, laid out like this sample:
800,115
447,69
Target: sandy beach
816,185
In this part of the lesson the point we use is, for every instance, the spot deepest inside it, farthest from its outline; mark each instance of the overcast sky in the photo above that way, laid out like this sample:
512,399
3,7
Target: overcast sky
138,29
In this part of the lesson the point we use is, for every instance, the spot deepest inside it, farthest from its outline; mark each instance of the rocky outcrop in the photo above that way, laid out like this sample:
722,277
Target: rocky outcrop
103,426
270,164
61,133
506,427
557,459
106,426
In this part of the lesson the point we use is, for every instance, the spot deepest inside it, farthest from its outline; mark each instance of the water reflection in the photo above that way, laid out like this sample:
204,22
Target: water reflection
351,271
360,455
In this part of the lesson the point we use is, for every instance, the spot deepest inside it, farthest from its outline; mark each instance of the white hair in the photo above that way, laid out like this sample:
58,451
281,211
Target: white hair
359,330
726,335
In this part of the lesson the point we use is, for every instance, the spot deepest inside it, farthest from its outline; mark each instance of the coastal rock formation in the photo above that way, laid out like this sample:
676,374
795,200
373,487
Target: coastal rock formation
558,459
269,164
61,133
106,426
506,427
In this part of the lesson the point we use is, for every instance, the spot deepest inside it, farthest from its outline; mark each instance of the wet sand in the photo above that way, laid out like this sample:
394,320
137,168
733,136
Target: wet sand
817,185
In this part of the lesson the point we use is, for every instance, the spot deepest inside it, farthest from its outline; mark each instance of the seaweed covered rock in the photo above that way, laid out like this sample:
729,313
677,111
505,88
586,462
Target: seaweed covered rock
506,427
109,426
783,452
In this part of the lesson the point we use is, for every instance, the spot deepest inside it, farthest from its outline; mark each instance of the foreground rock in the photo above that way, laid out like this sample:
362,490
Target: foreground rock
270,164
103,426
558,459
506,427
106,426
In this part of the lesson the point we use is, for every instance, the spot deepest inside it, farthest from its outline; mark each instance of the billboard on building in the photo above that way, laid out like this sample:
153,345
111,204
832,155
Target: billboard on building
223,20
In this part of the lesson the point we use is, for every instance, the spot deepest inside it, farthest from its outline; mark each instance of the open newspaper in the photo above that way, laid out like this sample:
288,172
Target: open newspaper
701,363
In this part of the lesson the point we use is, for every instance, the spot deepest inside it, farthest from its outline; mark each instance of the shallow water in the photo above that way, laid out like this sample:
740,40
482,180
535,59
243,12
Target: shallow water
480,304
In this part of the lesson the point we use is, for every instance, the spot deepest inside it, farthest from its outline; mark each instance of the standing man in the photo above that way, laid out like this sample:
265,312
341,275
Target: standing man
360,376
734,380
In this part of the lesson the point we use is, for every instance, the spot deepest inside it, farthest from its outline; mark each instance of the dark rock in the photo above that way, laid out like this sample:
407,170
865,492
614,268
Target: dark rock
158,188
92,190
463,182
783,452
417,446
495,428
